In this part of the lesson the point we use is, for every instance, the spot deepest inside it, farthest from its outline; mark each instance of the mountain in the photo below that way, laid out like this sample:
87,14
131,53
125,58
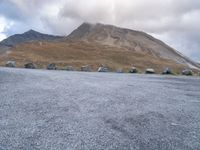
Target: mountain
28,36
97,44
130,40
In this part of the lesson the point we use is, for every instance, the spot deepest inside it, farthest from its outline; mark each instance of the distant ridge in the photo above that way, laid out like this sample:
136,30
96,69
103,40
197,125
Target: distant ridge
28,36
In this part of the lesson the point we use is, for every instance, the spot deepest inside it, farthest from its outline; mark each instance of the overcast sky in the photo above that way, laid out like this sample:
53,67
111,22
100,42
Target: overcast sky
176,22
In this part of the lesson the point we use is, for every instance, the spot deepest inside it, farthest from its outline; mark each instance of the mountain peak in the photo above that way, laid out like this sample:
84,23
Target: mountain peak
96,31
94,25
28,36
86,23
31,31
82,30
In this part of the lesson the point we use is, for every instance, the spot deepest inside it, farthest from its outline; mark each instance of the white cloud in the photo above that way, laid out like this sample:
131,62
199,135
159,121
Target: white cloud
2,28
2,36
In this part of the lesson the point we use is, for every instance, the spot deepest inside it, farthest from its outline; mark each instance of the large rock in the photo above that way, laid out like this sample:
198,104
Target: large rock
133,70
103,68
150,71
30,66
11,64
167,71
69,68
86,68
187,72
52,66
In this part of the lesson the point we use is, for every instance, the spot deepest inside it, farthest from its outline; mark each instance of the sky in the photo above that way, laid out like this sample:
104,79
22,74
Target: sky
176,22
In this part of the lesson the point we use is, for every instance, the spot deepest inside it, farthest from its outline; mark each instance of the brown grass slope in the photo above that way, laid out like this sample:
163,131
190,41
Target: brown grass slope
100,44
80,53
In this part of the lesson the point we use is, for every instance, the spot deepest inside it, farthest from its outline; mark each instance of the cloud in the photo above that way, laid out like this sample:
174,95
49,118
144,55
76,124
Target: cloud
3,26
174,21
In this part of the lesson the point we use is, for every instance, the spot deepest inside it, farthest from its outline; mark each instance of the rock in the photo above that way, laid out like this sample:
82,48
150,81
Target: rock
150,71
69,68
30,66
133,70
103,68
52,66
187,72
167,71
86,68
11,64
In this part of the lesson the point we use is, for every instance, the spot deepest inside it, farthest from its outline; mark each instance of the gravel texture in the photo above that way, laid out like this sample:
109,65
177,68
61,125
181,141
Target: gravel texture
59,110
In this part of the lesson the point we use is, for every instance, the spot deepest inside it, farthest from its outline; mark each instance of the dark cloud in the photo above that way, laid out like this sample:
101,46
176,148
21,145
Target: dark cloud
174,21
10,11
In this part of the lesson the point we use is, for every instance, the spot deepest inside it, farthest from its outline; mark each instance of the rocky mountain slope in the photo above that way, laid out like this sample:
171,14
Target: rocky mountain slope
97,44
130,40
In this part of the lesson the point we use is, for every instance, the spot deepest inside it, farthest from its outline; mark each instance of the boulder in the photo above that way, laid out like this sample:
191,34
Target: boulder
69,68
52,66
167,71
150,71
30,66
103,68
187,72
133,70
11,64
86,68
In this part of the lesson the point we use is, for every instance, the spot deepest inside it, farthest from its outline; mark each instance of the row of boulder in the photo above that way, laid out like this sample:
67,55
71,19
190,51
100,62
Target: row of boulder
150,71
102,68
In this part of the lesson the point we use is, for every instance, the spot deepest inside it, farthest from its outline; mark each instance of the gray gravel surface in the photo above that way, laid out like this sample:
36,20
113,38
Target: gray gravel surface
58,110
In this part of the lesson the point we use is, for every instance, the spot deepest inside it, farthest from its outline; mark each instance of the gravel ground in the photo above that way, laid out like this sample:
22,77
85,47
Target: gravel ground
58,110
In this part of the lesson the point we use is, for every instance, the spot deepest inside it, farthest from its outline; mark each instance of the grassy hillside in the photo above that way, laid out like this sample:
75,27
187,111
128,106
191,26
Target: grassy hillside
78,53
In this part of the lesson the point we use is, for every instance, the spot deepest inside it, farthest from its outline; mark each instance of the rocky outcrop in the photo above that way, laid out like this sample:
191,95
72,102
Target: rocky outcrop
11,64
